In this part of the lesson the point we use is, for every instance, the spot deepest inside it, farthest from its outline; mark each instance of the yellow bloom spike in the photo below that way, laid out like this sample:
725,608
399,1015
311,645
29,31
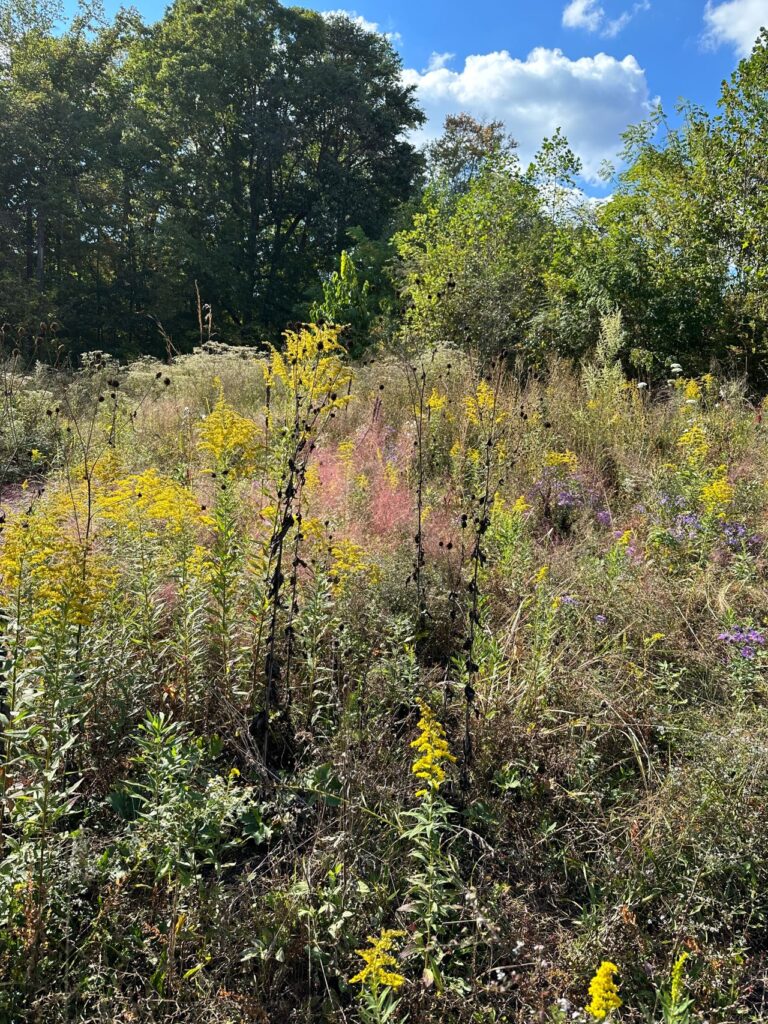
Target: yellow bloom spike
434,750
604,992
312,367
379,961
480,407
717,495
230,439
566,459
678,972
349,561
693,443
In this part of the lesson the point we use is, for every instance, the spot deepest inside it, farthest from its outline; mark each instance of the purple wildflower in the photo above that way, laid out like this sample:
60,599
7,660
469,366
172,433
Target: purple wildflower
747,640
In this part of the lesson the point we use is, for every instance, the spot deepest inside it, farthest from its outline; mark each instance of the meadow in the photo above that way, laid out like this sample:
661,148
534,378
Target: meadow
406,689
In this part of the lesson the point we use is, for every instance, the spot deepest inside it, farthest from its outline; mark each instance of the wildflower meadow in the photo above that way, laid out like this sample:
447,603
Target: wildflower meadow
412,688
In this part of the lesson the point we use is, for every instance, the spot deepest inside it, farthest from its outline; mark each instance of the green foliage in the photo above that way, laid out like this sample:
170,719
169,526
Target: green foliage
346,301
474,280
119,198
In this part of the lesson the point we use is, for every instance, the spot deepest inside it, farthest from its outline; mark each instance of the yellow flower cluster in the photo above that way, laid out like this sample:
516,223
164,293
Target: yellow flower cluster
311,366
149,503
678,971
379,962
346,452
349,560
693,443
230,439
499,507
52,578
717,495
433,750
692,390
604,992
436,401
391,474
566,459
481,405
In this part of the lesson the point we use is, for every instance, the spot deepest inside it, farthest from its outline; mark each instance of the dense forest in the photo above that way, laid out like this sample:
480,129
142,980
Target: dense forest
224,158
383,542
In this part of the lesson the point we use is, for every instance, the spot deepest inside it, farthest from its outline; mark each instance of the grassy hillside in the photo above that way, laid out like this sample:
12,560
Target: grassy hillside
298,653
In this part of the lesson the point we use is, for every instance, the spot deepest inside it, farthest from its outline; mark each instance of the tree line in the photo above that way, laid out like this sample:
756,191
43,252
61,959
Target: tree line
249,164
224,152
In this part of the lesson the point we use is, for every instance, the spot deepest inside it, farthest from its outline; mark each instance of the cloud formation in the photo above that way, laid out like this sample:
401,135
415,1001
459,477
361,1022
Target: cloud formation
591,16
592,99
736,23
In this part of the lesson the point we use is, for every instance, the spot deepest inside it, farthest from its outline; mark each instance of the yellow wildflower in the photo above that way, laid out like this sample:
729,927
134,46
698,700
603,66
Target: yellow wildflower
346,452
692,390
655,638
362,483
480,406
311,479
231,439
717,495
567,459
436,401
55,577
678,970
391,475
693,443
349,560
311,366
433,749
604,991
379,962
146,502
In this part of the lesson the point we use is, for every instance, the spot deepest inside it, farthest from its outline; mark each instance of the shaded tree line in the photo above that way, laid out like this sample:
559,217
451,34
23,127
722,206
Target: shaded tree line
224,152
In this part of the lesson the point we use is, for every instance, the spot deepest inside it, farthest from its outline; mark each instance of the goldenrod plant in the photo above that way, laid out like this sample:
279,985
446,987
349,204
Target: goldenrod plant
378,979
604,992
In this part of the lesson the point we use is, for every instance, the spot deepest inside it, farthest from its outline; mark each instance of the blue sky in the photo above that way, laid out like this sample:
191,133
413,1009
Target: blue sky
588,66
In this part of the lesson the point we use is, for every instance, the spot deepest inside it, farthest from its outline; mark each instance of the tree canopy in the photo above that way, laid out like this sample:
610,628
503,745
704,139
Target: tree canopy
228,149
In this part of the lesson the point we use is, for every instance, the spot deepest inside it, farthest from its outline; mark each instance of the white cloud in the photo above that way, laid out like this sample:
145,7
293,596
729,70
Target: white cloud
438,61
586,14
592,99
589,15
735,22
368,26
